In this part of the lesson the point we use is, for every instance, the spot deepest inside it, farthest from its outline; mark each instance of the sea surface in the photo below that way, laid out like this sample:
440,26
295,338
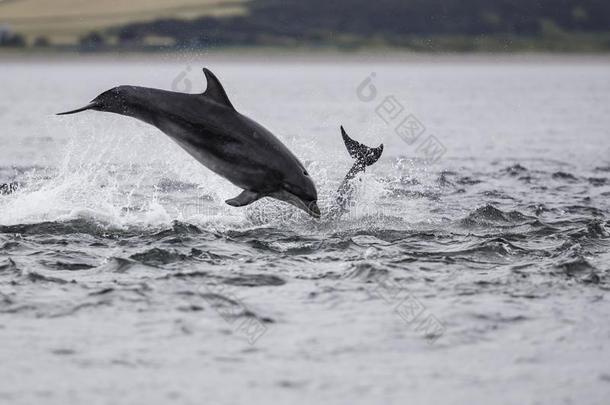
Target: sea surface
473,265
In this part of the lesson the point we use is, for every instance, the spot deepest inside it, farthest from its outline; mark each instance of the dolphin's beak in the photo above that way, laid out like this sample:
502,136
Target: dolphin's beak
85,108
309,206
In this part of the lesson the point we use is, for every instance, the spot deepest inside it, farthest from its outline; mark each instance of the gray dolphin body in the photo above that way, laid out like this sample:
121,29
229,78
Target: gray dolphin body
230,144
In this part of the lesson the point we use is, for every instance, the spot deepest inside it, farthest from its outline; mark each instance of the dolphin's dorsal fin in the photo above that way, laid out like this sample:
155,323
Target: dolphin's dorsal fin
214,89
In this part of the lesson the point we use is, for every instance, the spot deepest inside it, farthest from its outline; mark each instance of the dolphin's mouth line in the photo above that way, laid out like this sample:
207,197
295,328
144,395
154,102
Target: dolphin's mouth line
310,207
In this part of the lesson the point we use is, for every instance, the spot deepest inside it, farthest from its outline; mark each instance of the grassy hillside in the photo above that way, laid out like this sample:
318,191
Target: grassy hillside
425,25
419,25
64,21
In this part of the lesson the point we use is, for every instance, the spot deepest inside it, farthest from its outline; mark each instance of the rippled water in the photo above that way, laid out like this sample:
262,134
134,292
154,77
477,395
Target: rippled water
124,276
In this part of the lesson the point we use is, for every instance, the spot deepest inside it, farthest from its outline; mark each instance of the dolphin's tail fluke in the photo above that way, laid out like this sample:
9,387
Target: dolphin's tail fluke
364,155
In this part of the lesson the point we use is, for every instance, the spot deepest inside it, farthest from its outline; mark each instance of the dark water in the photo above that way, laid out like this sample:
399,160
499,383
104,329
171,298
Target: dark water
123,270
535,218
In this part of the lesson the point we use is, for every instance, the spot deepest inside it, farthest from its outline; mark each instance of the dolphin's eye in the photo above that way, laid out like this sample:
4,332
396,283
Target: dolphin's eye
305,173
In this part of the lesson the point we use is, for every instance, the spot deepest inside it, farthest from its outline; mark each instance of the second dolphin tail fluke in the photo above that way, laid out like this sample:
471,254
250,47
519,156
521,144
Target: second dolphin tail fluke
364,155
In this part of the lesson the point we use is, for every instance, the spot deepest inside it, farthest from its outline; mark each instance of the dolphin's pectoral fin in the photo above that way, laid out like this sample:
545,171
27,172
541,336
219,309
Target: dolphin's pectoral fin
246,197
214,89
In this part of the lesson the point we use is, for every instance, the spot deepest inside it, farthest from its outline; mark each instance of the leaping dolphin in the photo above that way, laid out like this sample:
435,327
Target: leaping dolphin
210,129
230,144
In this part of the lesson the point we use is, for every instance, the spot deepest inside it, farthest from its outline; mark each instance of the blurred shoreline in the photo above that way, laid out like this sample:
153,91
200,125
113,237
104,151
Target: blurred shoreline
162,26
305,55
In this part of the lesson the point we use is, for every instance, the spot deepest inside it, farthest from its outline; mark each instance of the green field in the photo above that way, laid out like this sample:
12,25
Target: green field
64,21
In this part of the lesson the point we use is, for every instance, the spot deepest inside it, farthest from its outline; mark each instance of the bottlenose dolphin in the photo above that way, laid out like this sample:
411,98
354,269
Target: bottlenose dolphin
211,130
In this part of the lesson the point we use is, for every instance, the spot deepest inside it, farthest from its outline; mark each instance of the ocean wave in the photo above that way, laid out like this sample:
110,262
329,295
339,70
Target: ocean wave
489,215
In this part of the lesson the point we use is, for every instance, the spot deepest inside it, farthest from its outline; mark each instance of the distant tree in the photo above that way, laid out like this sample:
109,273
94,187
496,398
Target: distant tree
42,42
8,38
392,21
92,42
129,36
